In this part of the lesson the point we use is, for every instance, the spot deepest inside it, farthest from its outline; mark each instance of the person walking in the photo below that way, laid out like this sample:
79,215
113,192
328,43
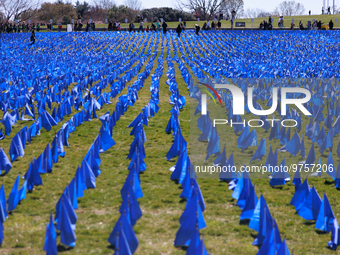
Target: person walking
331,25
33,38
141,29
179,30
219,24
131,26
164,26
197,29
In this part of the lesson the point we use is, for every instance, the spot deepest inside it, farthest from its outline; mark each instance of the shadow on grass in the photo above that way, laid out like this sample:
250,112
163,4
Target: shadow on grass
309,223
112,247
182,200
62,248
328,182
278,187
244,222
183,248
319,232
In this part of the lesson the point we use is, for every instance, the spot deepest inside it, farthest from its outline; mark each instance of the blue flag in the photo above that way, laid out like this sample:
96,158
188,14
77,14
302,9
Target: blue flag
5,163
311,206
325,219
13,199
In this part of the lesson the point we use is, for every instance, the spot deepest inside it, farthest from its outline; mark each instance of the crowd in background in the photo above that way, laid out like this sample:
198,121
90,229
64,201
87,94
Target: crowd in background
13,27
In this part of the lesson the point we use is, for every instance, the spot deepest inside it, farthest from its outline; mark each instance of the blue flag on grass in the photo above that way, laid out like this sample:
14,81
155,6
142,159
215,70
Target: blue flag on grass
3,200
330,166
325,219
133,181
64,201
67,235
337,177
270,243
106,141
13,199
228,171
311,156
72,192
297,179
300,195
123,227
1,233
131,207
335,237
250,205
242,199
90,178
50,245
250,140
311,207
261,151
294,145
283,249
5,163
16,148
280,177
259,209
33,176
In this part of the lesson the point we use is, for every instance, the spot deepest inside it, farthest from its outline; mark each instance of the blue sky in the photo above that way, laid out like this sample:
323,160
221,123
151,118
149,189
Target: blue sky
267,5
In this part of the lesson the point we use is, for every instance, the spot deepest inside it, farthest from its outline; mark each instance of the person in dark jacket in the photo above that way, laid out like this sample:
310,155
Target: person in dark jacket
164,26
197,28
153,26
179,30
131,26
319,25
32,38
331,25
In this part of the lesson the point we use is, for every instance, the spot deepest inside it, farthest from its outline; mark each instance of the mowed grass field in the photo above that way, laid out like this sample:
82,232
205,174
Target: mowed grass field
226,24
24,230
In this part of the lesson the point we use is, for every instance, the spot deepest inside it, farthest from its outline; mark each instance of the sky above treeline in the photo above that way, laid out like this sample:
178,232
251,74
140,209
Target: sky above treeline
267,5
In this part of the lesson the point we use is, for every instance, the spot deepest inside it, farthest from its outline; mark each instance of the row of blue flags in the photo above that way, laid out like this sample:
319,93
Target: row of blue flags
192,219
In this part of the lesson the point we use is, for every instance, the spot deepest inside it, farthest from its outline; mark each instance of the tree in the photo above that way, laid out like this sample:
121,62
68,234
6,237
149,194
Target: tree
290,8
12,9
135,5
57,11
228,5
120,13
81,8
105,4
167,13
257,13
204,8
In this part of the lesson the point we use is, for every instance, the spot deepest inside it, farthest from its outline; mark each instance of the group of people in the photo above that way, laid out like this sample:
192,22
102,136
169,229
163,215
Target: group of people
9,27
316,25
264,25
213,26
113,26
153,26
90,26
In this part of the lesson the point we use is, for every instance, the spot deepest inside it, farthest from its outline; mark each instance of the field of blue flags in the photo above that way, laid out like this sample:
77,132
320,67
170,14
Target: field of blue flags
107,145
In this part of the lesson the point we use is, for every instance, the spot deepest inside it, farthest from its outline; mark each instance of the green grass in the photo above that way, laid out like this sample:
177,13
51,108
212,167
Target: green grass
226,24
161,205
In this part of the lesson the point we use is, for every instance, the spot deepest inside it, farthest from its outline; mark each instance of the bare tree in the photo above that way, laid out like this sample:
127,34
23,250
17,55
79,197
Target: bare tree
204,8
135,5
256,13
12,9
228,5
291,8
105,4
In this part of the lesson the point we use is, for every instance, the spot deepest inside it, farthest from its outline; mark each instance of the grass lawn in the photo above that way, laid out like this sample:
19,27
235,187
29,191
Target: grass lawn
98,209
226,24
